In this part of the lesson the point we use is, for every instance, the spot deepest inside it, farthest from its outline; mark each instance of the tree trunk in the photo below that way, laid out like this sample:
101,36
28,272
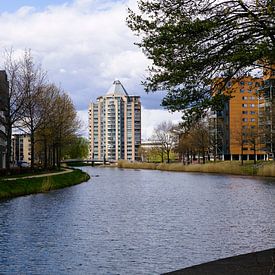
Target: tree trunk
53,156
168,156
32,149
8,153
254,148
242,154
45,154
58,159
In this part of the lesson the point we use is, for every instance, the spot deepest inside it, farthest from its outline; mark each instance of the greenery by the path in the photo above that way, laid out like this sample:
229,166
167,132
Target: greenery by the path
265,169
20,187
36,172
78,164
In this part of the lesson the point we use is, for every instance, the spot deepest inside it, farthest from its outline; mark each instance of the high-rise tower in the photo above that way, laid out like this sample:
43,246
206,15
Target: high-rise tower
115,125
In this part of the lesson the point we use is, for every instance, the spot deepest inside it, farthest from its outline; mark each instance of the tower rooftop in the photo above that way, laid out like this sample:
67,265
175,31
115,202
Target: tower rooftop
117,89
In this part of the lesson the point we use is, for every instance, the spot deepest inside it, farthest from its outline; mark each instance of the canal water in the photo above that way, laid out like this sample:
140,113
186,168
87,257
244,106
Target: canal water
136,222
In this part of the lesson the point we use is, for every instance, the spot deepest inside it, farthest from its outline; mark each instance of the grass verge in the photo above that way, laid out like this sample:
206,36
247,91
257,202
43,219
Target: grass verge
265,169
20,187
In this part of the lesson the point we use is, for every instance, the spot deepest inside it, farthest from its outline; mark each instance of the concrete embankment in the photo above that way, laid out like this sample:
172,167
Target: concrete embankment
257,263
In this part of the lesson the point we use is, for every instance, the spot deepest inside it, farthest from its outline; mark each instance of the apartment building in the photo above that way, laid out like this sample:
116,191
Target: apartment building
237,125
21,149
267,110
115,125
4,94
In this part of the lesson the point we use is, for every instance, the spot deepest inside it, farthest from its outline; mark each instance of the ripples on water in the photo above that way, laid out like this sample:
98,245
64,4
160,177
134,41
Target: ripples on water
136,222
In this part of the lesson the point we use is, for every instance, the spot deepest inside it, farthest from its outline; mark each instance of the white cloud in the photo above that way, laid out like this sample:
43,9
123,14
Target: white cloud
84,46
151,118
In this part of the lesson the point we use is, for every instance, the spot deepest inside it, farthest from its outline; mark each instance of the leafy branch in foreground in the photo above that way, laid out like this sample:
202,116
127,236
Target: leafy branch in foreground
193,42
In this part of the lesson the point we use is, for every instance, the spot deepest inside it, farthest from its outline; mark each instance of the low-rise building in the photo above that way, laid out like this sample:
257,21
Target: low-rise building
4,94
21,149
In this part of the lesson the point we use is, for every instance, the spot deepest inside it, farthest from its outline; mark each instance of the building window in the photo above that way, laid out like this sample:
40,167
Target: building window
242,83
229,84
252,98
244,97
252,105
250,91
253,113
244,119
244,105
252,119
249,83
242,91
245,112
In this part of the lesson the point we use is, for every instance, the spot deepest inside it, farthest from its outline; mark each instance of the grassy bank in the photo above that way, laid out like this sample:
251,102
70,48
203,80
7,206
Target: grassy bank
266,169
20,187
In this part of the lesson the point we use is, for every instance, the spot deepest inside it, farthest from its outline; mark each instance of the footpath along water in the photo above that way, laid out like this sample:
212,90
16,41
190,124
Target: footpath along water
136,222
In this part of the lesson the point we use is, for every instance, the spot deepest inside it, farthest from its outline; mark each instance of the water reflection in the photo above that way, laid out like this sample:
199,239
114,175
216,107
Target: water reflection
136,222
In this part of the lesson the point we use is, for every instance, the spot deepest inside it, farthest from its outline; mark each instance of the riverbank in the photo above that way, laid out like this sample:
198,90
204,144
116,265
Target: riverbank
38,184
261,262
263,169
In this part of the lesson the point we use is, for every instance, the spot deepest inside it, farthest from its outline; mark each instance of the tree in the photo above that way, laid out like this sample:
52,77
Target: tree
33,83
191,42
200,138
163,134
58,129
77,148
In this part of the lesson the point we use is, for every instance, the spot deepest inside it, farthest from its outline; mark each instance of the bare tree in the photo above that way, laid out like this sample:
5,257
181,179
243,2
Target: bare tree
33,83
200,138
59,127
164,134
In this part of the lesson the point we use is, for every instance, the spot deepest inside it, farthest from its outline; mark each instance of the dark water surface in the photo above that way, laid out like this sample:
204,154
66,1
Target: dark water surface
136,222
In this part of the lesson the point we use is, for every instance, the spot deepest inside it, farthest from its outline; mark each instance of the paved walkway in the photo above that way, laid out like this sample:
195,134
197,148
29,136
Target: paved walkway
42,175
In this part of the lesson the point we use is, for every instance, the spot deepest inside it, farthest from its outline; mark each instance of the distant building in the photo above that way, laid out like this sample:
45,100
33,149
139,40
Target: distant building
21,148
147,148
115,125
4,94
237,126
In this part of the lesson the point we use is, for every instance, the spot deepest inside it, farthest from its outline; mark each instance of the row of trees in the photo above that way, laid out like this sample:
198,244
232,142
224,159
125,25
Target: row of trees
205,139
39,108
188,143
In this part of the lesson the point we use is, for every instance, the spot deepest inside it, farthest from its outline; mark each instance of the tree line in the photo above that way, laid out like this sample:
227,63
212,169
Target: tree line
202,141
38,108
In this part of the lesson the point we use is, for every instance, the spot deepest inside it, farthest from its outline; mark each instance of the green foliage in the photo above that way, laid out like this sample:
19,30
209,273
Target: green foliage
192,42
78,148
20,187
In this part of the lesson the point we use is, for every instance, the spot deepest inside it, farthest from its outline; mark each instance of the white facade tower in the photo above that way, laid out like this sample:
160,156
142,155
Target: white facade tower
115,125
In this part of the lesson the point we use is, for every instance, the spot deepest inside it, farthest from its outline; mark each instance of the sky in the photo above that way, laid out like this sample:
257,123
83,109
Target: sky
84,45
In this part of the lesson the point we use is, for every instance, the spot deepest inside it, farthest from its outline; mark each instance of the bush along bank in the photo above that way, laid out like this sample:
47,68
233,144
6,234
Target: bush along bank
263,169
21,187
